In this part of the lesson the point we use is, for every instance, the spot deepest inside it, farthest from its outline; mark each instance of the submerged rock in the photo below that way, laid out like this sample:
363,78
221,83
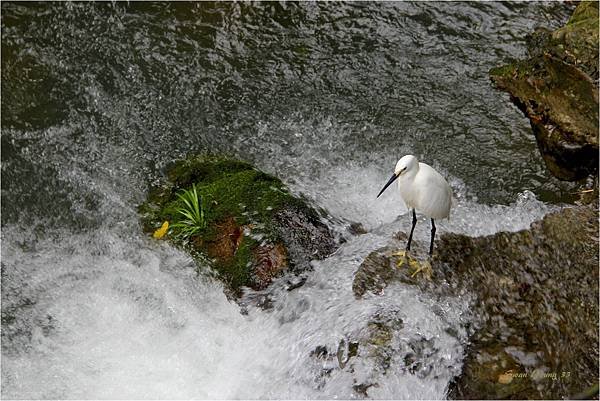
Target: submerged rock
557,88
536,303
366,353
254,229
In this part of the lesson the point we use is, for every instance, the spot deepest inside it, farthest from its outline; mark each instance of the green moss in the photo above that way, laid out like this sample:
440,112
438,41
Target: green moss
204,169
511,71
577,42
250,196
505,70
230,189
585,10
236,273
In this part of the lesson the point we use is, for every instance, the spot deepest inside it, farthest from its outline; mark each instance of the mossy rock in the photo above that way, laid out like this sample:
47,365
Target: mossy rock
556,87
585,10
255,228
535,302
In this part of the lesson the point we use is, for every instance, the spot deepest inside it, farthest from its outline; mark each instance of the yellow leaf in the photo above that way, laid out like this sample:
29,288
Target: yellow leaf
158,234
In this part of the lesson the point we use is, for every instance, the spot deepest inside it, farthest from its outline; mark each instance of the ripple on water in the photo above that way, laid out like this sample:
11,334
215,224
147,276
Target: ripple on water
102,96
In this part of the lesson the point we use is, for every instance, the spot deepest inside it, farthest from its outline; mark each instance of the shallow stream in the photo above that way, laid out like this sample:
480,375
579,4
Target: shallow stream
99,98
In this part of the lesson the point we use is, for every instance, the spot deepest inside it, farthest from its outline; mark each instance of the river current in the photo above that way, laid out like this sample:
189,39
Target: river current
97,98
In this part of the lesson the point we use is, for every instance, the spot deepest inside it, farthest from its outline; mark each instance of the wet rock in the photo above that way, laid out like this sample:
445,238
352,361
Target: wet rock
361,389
557,88
357,229
421,349
270,261
374,349
367,353
257,299
297,283
255,229
378,343
320,352
537,292
536,332
388,265
305,236
324,362
346,351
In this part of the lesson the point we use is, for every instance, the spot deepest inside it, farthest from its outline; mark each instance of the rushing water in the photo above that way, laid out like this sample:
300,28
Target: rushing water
98,98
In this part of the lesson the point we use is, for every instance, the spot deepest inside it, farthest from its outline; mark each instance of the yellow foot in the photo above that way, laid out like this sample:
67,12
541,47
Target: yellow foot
400,253
403,257
424,267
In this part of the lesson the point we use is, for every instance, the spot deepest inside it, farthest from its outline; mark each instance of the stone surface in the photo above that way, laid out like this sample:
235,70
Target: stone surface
536,303
557,88
392,264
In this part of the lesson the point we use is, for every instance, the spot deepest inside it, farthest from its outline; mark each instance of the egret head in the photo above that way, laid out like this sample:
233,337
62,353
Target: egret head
406,164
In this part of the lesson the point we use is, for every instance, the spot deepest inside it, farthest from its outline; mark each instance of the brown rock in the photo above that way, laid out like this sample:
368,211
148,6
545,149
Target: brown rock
228,239
270,261
535,306
557,89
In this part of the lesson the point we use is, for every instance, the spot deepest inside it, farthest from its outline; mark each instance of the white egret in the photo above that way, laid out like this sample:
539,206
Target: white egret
424,189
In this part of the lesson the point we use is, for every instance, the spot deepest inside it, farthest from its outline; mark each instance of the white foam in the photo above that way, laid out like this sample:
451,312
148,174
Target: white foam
112,314
349,192
112,317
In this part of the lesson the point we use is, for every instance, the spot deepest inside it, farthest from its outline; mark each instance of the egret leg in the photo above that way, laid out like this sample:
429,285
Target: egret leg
414,223
432,237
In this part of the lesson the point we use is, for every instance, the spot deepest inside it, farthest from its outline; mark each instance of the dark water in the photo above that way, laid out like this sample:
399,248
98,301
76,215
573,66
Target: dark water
296,88
97,98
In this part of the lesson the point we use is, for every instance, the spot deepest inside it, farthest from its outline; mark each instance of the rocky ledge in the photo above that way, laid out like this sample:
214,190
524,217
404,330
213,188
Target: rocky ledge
535,301
557,88
254,228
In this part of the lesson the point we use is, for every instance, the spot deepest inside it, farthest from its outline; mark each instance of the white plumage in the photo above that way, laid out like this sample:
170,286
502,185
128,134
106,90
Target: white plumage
424,189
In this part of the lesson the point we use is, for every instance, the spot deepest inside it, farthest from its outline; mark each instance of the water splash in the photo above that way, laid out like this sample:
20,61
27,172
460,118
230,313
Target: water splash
99,316
107,315
93,309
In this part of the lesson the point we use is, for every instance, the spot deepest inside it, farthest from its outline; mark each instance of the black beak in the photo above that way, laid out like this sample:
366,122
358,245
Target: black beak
392,179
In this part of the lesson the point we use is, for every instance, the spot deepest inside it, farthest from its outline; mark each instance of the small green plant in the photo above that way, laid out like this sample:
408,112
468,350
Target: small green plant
190,213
